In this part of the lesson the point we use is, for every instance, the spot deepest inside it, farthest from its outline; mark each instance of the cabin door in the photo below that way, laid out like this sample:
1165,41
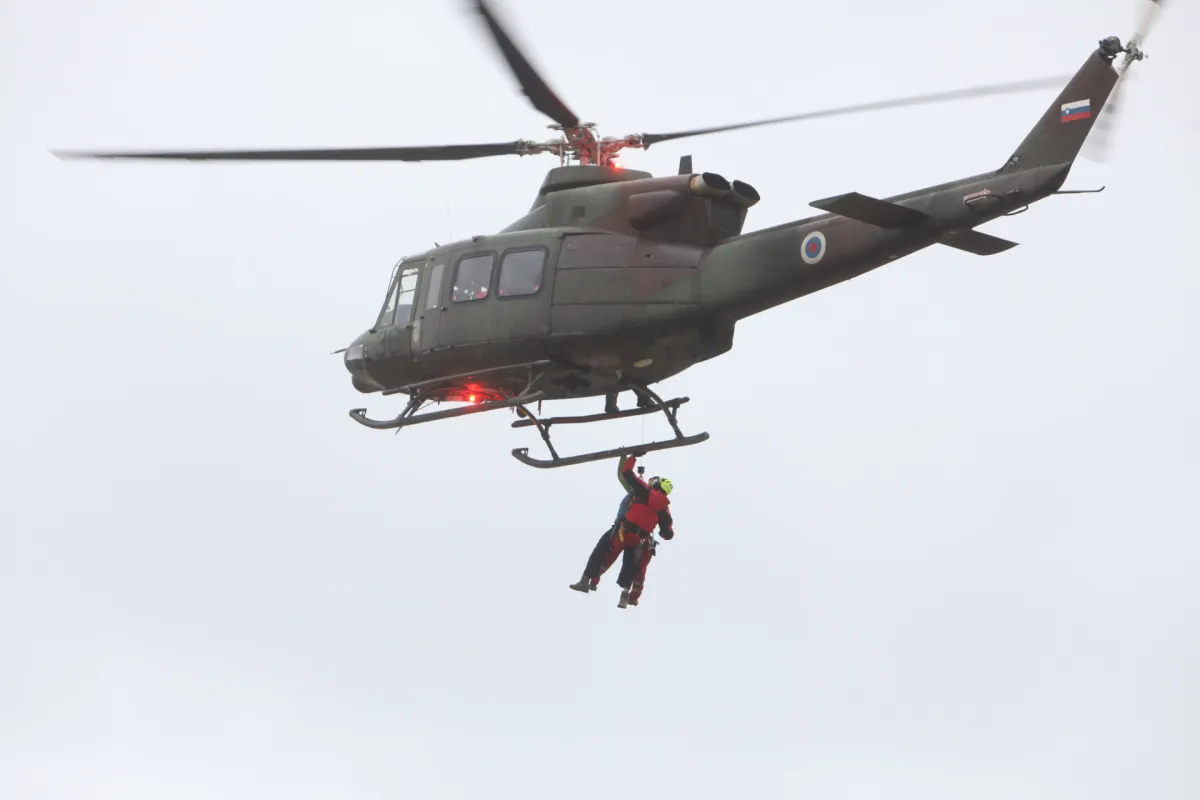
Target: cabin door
429,307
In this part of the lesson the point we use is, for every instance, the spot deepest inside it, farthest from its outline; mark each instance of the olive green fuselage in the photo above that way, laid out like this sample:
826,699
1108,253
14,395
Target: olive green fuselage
634,276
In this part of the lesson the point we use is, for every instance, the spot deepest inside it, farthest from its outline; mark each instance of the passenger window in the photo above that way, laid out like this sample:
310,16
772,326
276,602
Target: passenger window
521,272
473,279
433,295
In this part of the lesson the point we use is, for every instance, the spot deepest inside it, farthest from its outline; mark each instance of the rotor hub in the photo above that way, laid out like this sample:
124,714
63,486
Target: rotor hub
581,144
1111,47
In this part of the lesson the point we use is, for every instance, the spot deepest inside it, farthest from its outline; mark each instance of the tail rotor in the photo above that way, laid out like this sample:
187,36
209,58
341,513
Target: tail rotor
1099,144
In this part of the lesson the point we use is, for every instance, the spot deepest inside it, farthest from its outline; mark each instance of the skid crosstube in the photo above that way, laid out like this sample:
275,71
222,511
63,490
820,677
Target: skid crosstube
653,404
632,412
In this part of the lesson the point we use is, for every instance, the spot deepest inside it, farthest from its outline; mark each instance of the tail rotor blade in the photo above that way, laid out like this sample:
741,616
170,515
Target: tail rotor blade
1099,144
1151,9
1100,141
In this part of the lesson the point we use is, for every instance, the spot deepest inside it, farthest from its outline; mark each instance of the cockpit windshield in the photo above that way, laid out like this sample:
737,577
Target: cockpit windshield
401,293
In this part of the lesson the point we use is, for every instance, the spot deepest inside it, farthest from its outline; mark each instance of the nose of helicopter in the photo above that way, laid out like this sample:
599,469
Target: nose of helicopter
356,364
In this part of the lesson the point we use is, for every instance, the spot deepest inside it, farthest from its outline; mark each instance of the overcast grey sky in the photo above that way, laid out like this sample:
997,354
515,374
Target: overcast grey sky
942,544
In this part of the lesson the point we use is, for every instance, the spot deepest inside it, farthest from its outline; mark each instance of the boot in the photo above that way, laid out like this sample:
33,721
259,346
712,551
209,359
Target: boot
624,601
585,585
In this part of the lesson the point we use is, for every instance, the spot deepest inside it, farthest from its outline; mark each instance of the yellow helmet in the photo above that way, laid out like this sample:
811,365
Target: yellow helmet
664,485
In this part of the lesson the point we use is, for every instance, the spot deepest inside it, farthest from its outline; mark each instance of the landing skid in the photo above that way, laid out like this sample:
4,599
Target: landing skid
433,391
669,409
532,392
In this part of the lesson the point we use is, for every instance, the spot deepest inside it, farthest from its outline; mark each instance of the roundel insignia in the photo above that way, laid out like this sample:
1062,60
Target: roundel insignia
812,249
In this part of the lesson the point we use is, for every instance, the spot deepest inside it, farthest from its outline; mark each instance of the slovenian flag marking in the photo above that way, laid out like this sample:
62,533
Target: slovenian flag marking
1080,109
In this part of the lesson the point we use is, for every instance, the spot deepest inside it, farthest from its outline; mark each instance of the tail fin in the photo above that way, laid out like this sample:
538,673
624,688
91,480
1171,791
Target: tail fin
1059,135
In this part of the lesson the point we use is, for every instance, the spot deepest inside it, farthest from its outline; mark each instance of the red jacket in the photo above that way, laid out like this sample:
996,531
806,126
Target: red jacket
650,507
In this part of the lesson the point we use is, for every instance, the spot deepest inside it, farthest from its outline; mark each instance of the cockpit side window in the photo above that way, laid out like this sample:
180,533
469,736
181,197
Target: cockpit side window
399,306
389,303
473,278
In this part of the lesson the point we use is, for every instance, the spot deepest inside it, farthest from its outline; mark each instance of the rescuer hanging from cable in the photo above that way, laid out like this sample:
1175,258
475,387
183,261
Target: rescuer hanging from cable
644,508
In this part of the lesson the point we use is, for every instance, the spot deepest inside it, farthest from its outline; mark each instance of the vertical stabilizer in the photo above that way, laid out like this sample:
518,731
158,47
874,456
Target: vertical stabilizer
1060,133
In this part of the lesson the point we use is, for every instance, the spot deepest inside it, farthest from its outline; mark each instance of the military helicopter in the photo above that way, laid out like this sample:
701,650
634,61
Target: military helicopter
616,279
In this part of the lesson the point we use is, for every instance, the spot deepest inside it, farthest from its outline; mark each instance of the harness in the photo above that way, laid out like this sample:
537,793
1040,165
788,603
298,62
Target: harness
645,539
632,528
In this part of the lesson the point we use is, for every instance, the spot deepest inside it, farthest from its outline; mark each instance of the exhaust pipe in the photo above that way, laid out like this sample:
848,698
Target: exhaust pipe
743,195
709,184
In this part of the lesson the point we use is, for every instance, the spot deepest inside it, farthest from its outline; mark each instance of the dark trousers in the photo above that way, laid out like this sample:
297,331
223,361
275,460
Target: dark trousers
635,550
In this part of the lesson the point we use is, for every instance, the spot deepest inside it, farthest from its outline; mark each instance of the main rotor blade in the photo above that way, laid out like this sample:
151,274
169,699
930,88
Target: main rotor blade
449,152
535,88
879,105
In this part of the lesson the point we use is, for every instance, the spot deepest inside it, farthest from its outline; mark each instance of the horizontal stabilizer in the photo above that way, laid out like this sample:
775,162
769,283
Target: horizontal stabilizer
871,210
977,242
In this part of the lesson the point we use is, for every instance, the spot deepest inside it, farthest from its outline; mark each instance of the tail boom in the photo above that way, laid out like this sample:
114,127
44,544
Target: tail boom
756,271
759,270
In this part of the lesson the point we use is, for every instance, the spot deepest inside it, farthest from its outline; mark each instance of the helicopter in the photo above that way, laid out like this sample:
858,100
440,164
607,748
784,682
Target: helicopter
616,280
